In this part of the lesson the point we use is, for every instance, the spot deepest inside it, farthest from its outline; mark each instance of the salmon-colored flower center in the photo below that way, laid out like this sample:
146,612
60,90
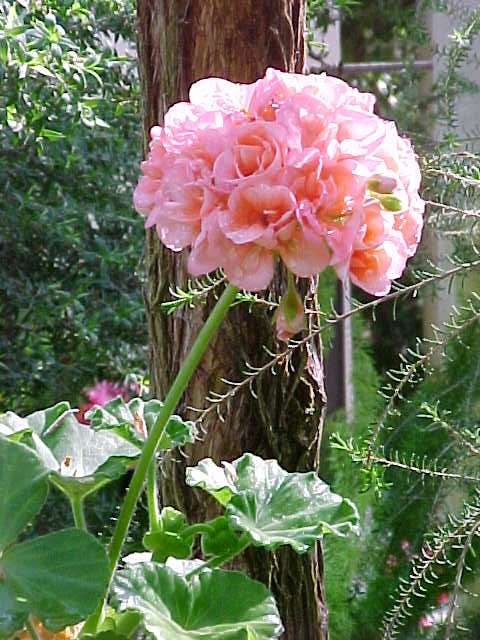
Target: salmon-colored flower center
254,213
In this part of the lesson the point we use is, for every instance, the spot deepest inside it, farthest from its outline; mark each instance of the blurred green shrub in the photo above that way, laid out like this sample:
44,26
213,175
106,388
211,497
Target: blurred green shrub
71,308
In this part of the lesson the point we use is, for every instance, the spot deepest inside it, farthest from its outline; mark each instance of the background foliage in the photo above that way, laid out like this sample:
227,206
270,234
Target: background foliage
71,306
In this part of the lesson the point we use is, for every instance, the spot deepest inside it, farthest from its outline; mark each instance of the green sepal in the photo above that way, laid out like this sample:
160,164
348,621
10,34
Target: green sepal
220,539
169,540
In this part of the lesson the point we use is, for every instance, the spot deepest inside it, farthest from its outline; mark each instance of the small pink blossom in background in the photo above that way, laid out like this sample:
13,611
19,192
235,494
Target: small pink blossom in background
406,547
391,561
436,616
104,391
291,167
426,622
101,393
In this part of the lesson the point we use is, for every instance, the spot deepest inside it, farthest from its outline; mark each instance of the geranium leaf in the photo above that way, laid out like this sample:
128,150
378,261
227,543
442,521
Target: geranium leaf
61,576
218,605
133,420
79,459
39,422
183,567
276,507
84,459
177,434
117,626
23,488
217,481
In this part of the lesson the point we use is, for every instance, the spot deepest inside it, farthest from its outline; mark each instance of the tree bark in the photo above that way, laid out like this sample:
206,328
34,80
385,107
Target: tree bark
181,41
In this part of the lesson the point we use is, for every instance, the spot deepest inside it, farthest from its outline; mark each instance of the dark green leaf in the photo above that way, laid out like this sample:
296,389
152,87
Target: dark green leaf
62,575
23,488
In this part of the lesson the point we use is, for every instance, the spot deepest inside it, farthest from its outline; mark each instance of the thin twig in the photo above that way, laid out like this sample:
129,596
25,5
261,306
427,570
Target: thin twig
452,604
216,399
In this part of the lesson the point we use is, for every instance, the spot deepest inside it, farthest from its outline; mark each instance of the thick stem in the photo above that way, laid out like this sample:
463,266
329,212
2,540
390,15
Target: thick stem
152,496
149,448
78,513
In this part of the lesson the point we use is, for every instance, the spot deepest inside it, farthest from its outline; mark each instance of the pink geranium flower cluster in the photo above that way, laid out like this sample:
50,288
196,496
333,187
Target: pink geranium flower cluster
292,167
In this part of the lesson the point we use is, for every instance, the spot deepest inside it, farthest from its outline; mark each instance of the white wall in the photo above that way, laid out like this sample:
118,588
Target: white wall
442,25
437,308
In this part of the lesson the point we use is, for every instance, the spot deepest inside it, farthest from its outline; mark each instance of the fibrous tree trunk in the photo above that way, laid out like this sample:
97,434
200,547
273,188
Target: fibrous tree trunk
181,41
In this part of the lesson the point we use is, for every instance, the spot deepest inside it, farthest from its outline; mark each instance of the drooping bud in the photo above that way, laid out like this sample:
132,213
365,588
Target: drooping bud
290,315
382,188
382,184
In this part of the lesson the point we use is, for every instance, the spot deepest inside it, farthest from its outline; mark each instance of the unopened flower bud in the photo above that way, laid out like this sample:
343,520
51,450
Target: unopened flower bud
290,315
382,184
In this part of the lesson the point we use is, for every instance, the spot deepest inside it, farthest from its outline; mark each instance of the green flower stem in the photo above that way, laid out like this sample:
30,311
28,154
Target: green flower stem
76,502
218,561
152,496
177,389
32,632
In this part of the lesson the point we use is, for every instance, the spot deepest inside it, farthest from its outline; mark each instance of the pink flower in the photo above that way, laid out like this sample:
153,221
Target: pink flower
255,151
100,394
291,167
406,546
302,243
179,205
374,269
426,622
217,94
103,392
256,213
249,265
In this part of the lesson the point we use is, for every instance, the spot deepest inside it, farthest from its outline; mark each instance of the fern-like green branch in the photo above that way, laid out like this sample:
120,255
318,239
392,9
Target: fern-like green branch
458,533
